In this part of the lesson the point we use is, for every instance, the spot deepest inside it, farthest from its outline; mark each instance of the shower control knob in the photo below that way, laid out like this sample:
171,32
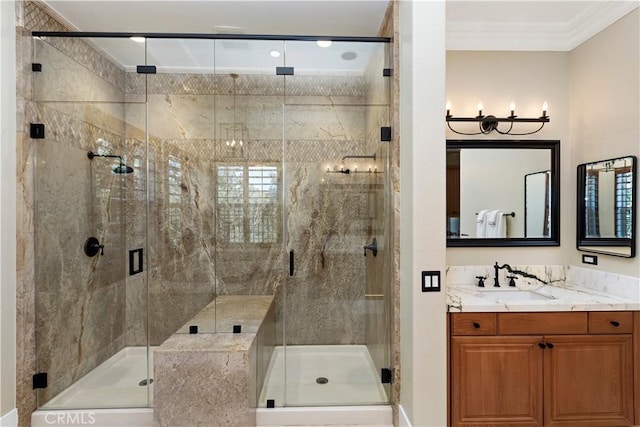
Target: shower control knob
373,247
92,246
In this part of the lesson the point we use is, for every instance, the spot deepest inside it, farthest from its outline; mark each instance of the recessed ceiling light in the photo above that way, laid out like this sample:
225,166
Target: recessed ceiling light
324,43
138,39
274,53
349,56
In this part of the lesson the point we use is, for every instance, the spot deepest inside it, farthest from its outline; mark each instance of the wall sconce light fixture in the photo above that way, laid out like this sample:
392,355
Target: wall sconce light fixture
488,124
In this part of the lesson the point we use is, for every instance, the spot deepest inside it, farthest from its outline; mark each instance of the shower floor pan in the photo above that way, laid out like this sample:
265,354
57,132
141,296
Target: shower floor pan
324,375
112,384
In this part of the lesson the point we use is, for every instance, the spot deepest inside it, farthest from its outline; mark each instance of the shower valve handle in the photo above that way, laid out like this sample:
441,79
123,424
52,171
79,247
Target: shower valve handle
373,247
92,246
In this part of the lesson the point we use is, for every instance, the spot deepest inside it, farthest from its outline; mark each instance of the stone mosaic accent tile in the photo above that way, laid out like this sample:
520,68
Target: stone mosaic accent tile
67,129
210,84
36,18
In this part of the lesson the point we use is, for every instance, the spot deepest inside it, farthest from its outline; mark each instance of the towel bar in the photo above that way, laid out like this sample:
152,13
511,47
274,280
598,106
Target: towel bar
511,214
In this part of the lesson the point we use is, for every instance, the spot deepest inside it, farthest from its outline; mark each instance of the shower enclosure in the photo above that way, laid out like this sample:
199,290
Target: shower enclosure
175,169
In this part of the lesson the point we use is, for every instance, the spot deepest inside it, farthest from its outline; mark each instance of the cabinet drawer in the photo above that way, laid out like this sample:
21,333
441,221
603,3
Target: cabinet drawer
473,324
611,322
542,323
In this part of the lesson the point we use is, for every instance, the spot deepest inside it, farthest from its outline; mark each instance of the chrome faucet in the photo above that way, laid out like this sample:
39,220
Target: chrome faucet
497,267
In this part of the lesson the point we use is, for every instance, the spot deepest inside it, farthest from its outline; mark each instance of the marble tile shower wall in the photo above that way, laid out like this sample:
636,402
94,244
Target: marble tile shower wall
327,214
70,305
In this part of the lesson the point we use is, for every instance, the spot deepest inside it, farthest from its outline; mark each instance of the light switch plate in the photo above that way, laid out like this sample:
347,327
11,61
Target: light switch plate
590,259
431,281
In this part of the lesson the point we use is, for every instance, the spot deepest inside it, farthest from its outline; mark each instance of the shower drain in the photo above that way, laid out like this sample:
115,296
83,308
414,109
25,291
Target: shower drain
145,382
322,380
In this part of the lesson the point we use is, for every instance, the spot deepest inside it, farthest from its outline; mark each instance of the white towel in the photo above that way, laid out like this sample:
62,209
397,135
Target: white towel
481,225
491,217
497,229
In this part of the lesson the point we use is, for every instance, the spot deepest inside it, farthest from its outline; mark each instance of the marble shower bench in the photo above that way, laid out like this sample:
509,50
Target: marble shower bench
214,378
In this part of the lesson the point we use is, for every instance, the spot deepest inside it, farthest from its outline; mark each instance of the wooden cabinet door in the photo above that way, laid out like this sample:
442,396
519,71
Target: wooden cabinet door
496,380
588,380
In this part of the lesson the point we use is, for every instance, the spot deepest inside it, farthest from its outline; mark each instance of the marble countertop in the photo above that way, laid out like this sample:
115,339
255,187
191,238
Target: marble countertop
537,297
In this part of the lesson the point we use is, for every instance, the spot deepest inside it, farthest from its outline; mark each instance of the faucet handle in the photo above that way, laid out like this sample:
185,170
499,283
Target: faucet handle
480,281
512,281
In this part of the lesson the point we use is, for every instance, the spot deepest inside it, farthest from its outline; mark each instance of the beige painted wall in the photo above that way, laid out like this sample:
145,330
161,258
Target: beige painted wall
605,112
528,79
7,207
422,211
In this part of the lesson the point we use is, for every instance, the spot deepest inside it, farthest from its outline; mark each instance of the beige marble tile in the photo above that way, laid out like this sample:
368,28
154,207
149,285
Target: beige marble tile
220,316
203,380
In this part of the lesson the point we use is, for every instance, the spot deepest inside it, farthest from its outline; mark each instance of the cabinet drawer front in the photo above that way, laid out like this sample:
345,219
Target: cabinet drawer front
542,323
473,324
611,322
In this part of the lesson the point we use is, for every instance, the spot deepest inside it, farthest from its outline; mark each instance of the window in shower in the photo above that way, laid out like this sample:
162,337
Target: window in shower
247,203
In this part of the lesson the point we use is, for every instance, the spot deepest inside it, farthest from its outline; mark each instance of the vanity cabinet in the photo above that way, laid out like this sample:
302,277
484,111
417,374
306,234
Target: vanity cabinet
542,369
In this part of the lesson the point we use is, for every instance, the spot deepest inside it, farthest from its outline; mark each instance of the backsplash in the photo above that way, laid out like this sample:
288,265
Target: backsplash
617,285
466,274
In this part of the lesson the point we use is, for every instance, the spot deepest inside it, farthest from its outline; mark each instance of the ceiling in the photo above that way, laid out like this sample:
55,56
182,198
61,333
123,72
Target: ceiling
310,17
471,25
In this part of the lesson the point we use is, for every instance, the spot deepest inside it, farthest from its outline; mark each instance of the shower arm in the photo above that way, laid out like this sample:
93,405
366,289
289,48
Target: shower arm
91,155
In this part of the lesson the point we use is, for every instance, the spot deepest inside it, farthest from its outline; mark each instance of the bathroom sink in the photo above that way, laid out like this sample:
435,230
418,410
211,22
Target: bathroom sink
513,295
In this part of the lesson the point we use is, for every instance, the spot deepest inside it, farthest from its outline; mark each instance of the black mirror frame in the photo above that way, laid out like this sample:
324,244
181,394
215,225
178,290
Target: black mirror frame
535,144
581,240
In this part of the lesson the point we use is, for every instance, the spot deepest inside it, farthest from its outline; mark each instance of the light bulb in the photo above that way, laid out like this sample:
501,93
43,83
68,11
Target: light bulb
233,142
228,143
240,142
545,107
324,43
512,107
480,107
448,107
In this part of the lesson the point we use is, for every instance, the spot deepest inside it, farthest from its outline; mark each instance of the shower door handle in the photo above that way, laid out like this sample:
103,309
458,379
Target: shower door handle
291,263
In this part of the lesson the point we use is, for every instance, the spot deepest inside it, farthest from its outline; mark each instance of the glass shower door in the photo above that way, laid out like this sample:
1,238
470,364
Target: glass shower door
336,173
85,336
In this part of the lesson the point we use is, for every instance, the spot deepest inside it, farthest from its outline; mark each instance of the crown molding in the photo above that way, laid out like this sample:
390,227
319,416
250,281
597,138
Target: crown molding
595,19
476,35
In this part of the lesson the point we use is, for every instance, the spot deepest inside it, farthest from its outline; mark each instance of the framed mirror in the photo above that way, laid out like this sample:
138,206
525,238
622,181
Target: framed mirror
503,193
606,207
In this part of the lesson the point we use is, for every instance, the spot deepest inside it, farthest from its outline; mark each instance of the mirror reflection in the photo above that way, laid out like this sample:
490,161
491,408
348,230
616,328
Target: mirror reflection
537,204
501,193
606,208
